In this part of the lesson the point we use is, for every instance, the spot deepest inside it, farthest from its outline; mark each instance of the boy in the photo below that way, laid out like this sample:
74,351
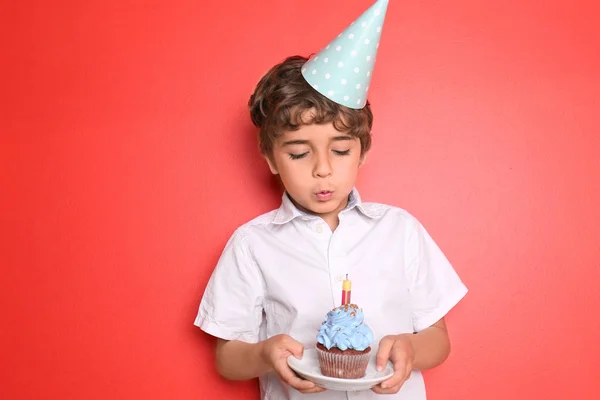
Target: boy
281,272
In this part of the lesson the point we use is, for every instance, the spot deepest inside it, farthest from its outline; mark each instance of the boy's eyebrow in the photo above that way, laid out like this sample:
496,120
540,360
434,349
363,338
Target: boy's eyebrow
342,137
291,142
303,141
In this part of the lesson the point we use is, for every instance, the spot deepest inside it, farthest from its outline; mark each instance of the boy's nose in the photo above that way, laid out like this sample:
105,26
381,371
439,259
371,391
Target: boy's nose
322,167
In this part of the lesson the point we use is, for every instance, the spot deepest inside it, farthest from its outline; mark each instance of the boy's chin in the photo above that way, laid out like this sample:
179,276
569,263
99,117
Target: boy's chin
324,207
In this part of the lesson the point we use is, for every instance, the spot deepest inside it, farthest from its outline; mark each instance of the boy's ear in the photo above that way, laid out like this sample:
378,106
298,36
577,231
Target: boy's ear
272,165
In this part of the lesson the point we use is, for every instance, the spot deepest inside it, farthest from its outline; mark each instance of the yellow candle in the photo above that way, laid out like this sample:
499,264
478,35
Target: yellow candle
347,284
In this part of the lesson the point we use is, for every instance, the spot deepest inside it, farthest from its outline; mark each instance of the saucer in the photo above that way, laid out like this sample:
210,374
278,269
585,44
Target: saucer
308,368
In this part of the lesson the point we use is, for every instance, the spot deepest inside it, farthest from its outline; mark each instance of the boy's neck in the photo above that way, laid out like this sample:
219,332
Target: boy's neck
333,221
331,218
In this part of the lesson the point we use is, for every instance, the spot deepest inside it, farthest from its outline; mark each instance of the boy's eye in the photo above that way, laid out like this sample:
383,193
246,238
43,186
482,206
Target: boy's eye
298,156
342,152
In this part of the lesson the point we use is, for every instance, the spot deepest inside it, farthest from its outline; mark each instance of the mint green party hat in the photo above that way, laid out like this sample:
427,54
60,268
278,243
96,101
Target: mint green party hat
342,71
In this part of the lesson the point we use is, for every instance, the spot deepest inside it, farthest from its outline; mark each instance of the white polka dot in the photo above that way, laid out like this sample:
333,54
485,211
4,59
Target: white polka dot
368,58
358,101
367,41
346,98
331,93
378,29
344,81
340,64
363,24
353,52
355,70
327,76
314,71
368,73
316,86
358,85
377,12
351,36
338,48
326,60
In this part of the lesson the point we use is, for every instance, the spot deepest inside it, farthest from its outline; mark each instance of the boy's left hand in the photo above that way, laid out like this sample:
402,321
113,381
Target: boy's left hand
399,350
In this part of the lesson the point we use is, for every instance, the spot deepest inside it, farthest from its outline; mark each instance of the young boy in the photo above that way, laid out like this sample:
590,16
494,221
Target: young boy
280,273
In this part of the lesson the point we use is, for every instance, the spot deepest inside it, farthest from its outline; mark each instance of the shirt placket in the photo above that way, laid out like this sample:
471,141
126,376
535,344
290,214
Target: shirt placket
337,263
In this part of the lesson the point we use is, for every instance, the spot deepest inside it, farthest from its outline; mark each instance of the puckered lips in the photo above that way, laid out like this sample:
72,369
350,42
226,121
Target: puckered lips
324,195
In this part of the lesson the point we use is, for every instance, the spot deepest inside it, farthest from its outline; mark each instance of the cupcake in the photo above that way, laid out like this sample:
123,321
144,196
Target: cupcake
343,343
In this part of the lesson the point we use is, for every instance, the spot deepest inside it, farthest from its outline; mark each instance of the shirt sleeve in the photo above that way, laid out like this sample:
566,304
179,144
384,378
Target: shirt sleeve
435,287
232,304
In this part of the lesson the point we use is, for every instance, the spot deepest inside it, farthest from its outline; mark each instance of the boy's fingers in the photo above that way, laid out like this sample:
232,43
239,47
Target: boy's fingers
289,377
379,390
396,379
301,384
393,384
383,354
316,389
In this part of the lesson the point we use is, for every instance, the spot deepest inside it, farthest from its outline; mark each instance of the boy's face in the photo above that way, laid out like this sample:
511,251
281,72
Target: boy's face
318,166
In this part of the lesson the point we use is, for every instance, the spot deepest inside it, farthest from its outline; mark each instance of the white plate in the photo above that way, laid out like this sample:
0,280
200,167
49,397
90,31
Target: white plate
308,368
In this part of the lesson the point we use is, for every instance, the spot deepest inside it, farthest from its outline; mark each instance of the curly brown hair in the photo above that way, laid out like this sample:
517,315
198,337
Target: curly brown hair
282,98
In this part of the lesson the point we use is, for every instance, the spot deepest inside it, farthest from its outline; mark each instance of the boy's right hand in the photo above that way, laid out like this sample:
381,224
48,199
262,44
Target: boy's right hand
275,352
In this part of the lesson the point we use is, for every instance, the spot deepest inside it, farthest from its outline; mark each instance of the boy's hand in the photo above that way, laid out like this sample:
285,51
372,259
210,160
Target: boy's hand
275,352
399,350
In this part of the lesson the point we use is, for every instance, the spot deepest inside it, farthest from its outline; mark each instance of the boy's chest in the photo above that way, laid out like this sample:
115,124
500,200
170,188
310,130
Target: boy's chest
303,272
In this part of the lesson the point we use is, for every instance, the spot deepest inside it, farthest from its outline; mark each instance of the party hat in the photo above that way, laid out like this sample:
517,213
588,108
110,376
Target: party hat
342,70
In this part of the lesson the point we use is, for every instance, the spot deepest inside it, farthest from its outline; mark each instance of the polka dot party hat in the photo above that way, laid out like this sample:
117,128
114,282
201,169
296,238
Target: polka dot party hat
342,70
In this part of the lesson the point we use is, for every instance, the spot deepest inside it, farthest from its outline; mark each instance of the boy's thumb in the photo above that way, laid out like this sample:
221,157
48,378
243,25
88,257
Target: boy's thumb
383,354
297,349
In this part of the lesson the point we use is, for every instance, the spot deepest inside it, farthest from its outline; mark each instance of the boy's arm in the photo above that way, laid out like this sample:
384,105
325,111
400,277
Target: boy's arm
431,346
424,350
237,360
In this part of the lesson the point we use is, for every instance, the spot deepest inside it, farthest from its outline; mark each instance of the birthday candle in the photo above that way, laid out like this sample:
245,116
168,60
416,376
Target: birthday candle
346,291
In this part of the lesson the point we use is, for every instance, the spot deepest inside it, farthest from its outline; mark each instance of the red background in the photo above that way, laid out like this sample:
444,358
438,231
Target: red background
128,159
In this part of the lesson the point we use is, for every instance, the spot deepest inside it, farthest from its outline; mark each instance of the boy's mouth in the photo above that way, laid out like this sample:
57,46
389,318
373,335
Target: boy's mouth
324,195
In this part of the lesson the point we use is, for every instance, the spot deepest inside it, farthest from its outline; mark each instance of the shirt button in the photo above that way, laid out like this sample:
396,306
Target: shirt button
320,228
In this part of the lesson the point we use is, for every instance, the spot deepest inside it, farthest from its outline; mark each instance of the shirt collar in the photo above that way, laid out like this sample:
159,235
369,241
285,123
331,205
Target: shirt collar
288,211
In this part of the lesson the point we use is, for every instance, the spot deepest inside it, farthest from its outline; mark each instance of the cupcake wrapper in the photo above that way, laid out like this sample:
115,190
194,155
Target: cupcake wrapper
346,366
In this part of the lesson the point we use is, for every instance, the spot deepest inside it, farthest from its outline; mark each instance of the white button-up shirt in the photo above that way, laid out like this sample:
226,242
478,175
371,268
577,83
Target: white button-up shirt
283,271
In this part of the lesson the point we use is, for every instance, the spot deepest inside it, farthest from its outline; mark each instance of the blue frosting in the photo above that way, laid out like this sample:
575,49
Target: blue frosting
345,329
